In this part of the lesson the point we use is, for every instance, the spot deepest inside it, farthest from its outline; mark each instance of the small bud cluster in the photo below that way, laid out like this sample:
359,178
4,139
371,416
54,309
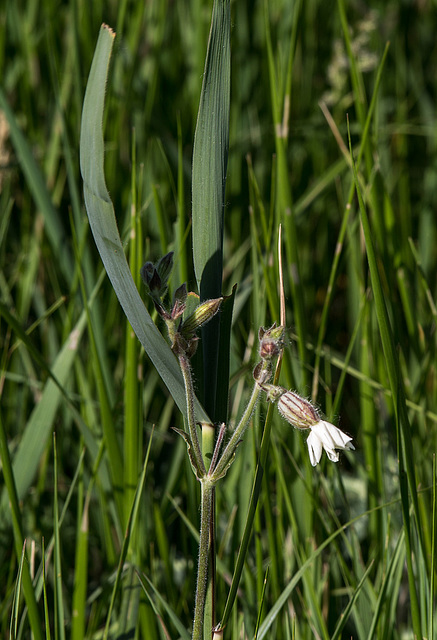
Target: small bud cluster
182,332
271,343
155,277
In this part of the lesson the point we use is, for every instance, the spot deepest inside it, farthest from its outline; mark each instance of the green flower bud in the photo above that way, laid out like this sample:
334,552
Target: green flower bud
201,315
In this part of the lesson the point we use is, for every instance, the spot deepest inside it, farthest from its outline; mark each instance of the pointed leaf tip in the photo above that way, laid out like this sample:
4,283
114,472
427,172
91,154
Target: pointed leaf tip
108,28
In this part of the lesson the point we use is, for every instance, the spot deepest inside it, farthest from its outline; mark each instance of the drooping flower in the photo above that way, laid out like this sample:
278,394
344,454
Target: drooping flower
324,435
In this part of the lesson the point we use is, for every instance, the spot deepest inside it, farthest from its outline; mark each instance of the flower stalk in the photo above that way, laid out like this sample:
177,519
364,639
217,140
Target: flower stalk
192,429
207,490
229,450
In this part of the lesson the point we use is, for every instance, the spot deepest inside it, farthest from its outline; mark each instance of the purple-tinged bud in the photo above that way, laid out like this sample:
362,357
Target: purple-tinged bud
179,302
161,311
298,411
155,276
271,342
146,272
164,267
181,293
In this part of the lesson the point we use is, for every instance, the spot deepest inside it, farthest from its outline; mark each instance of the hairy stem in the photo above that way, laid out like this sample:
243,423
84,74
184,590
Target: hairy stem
207,489
238,432
189,392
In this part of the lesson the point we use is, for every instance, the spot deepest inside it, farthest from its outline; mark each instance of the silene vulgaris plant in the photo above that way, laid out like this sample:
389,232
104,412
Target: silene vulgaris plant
212,448
182,325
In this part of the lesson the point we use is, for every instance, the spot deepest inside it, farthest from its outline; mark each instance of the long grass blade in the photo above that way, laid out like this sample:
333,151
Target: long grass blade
127,538
403,429
59,597
210,158
104,226
39,190
12,497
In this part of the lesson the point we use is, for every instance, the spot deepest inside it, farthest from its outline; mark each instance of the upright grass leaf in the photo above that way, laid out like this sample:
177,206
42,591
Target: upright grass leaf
343,228
104,226
385,591
36,183
132,520
81,561
284,203
46,606
349,608
210,157
9,481
133,410
40,423
433,550
286,593
59,598
145,582
407,478
105,404
15,610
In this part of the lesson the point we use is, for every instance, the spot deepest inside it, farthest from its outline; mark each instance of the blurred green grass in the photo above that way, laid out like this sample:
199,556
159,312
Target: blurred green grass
155,80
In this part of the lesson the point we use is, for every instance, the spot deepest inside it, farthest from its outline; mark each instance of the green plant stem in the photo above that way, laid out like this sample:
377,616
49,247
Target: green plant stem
238,432
189,392
207,489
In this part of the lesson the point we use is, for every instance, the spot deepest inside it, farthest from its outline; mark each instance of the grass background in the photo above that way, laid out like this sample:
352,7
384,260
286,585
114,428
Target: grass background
51,272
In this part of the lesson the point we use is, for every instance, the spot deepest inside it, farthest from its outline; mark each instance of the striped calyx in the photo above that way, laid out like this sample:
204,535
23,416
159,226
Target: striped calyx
298,411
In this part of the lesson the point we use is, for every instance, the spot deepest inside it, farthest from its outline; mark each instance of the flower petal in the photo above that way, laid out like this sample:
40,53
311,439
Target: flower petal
332,454
314,448
332,437
325,435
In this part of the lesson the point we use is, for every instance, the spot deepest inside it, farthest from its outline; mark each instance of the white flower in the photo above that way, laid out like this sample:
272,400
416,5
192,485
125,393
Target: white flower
302,415
325,436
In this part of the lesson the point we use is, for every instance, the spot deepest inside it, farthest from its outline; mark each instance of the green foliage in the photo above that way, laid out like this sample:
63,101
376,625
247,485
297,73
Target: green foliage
360,285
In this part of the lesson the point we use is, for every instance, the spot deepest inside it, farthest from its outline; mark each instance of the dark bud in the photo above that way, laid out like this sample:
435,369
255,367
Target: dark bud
164,267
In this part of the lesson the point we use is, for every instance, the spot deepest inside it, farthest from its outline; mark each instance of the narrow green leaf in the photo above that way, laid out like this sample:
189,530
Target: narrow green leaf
404,441
210,158
346,613
128,616
46,605
40,423
127,537
81,568
14,508
104,226
13,624
284,202
59,599
172,615
210,155
386,590
38,189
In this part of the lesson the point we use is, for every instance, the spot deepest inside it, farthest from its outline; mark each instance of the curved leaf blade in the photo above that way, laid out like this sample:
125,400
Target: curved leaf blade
104,226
